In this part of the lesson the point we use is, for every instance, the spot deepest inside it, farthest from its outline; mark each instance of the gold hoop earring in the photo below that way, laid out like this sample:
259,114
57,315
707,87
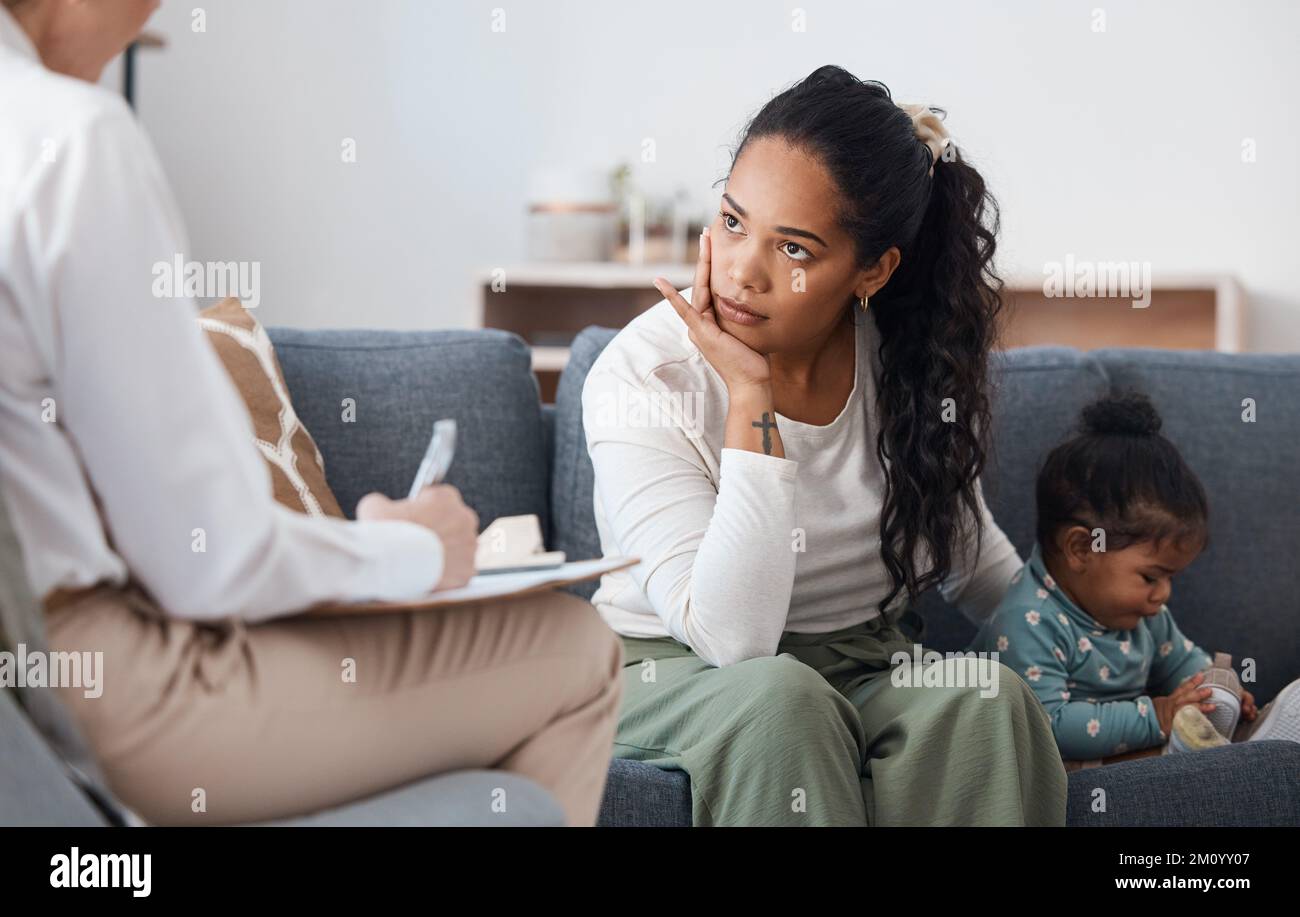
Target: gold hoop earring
863,303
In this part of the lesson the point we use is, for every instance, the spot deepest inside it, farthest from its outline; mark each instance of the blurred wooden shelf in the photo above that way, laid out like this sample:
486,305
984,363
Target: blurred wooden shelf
1186,312
599,275
550,359
548,304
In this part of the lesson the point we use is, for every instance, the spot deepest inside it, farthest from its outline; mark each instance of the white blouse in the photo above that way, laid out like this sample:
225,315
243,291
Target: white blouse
120,432
736,546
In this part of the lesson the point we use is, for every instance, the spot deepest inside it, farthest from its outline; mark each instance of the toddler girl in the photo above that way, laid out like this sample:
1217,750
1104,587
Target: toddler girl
1085,622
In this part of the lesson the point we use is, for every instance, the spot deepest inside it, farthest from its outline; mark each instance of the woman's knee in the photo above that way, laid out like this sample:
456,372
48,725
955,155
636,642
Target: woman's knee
789,698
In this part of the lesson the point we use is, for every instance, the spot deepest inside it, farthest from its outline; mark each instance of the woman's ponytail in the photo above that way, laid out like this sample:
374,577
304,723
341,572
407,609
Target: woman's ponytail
937,322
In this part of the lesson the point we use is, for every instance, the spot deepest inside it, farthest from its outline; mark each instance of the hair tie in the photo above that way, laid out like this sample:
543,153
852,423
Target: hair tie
929,130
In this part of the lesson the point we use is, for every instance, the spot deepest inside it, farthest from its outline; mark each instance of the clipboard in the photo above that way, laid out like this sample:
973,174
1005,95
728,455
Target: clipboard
489,587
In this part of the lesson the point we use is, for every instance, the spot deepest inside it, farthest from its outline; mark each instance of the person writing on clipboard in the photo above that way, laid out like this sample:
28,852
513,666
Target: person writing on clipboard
211,677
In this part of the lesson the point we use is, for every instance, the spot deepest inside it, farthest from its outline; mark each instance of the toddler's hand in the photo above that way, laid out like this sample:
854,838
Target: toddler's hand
1248,705
1189,692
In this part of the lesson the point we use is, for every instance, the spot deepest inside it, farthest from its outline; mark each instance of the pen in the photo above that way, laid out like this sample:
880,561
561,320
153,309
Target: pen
437,457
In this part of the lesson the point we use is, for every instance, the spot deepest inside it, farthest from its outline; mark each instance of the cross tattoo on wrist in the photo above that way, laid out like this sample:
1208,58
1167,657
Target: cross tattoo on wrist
767,425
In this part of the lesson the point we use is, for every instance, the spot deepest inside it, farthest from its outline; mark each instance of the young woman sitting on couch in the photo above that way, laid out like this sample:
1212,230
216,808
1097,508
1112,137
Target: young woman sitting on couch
839,329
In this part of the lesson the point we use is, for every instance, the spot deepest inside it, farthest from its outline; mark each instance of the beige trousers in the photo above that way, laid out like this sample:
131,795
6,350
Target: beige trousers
250,722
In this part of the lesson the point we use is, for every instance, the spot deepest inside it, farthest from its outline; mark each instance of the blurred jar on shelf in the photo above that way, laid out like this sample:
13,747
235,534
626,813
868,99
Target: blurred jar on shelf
573,215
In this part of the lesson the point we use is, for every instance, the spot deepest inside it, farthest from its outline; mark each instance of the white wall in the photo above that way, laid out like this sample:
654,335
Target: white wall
1120,145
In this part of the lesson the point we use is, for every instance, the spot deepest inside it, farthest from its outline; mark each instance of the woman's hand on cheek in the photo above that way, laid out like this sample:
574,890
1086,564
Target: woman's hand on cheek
739,365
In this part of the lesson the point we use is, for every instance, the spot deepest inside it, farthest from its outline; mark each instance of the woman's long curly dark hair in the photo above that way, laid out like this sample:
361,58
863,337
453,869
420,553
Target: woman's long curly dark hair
936,315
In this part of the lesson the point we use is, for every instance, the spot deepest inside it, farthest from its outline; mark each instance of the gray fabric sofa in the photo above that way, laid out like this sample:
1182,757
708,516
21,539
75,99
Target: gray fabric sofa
517,456
1242,596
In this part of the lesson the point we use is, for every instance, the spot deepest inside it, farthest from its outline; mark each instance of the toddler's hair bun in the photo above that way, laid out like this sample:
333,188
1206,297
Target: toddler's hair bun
1130,413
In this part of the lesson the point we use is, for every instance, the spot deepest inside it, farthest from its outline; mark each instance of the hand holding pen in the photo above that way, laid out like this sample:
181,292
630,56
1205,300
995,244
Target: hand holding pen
435,506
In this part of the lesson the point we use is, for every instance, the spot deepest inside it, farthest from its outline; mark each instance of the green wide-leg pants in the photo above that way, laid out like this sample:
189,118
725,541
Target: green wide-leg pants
829,732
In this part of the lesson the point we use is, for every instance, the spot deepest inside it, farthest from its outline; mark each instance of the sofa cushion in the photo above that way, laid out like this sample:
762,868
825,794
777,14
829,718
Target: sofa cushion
1251,783
639,795
297,472
573,483
1240,595
371,397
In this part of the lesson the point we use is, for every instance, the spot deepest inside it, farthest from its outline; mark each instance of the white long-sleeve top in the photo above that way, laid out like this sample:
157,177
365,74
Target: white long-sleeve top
109,393
736,546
